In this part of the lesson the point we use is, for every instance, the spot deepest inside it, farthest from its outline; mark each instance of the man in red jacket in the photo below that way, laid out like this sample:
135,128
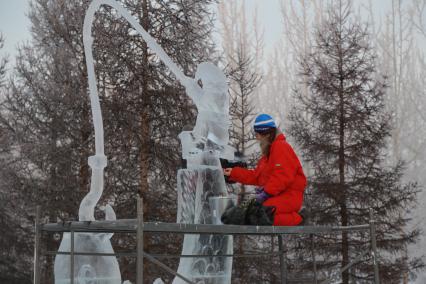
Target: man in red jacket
278,174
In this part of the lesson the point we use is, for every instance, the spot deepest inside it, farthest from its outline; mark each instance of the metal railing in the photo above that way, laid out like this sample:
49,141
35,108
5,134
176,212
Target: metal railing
139,227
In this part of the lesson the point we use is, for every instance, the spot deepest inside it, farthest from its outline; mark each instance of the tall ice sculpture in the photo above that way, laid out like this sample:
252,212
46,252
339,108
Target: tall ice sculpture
202,194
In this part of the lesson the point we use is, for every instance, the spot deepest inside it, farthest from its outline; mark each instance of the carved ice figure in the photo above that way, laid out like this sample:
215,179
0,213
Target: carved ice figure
202,194
88,268
212,104
200,186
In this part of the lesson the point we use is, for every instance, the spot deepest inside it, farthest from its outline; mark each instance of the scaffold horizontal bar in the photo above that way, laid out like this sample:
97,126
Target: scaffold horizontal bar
133,254
130,226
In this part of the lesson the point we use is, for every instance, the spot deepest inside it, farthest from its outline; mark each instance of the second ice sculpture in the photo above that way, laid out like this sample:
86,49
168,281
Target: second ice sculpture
202,194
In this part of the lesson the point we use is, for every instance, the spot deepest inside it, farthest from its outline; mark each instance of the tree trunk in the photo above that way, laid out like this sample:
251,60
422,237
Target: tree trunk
342,196
144,127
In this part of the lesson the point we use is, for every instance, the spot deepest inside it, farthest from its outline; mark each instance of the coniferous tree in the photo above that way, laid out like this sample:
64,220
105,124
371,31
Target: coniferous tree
343,136
14,241
243,82
242,56
47,115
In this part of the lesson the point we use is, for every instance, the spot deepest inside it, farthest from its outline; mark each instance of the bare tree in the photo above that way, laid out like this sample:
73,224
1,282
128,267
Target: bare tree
299,19
242,57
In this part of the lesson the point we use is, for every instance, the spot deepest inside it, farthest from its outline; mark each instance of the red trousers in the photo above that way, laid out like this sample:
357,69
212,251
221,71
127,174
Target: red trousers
287,207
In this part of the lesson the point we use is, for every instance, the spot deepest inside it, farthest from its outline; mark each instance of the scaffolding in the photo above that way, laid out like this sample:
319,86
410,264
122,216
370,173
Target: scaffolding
139,227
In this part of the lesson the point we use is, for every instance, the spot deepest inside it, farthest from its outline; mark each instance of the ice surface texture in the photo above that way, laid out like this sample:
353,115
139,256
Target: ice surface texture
199,190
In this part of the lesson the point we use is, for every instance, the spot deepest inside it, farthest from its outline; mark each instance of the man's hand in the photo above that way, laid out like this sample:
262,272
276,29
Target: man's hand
227,172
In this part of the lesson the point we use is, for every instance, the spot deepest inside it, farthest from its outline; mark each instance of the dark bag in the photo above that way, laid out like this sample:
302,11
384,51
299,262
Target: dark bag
234,215
250,213
260,215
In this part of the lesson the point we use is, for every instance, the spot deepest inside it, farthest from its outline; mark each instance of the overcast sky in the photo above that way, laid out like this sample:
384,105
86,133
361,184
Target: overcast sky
14,23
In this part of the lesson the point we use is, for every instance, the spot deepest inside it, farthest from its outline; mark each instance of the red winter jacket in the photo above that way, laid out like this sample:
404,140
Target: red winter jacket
279,173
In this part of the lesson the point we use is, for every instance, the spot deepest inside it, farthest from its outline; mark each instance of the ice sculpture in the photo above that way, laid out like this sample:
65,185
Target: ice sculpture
202,194
86,267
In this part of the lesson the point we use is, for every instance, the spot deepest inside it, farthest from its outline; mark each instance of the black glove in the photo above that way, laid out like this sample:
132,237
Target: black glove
227,164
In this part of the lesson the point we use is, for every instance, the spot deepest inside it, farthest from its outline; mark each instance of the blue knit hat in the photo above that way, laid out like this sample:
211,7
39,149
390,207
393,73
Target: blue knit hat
263,123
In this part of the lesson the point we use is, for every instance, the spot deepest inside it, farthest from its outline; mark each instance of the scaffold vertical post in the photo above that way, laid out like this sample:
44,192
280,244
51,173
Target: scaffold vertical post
37,247
139,246
283,263
314,262
374,247
72,257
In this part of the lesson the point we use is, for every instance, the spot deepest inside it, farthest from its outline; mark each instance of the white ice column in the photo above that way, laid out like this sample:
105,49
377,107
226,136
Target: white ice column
201,192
